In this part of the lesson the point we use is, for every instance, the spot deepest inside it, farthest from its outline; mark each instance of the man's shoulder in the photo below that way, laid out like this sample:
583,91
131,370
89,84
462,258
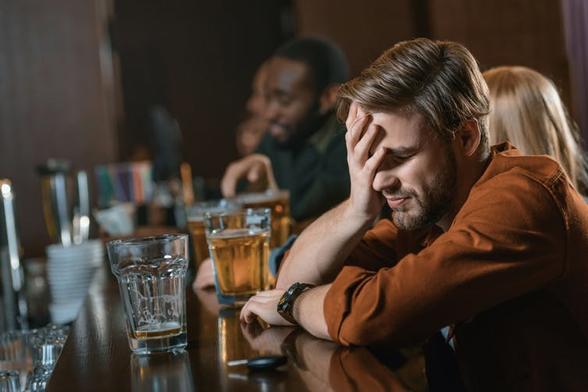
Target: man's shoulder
509,164
516,185
508,169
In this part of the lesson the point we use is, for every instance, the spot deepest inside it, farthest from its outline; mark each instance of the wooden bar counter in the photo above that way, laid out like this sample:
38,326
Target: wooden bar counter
97,357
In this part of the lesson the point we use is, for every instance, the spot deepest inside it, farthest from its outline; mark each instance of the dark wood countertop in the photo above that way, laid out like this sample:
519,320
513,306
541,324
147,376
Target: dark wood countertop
97,357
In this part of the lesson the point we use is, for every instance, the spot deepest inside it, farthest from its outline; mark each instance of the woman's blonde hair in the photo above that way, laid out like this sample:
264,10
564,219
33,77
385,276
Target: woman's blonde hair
526,110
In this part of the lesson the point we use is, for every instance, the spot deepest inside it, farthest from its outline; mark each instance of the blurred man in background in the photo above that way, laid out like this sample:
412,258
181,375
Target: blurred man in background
304,148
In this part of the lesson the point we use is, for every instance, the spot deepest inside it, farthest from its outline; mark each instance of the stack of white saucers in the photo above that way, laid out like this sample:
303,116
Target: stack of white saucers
70,270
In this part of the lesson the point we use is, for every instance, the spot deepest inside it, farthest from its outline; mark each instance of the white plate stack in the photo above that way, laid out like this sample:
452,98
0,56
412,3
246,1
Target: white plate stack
70,270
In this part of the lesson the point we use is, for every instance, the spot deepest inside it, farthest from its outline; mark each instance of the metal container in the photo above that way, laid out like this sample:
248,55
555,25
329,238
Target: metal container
14,310
66,202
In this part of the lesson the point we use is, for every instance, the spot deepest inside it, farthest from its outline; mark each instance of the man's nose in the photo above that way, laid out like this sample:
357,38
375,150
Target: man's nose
385,179
271,112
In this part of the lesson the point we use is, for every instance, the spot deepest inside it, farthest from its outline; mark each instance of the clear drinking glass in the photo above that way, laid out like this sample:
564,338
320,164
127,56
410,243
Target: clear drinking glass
27,358
9,381
196,224
46,345
239,246
151,273
15,360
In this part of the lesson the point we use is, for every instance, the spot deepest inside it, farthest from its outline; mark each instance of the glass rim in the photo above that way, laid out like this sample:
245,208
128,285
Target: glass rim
197,211
215,202
260,197
243,211
144,241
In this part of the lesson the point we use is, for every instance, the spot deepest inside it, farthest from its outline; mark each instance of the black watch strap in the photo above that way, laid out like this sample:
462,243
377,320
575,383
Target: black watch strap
286,303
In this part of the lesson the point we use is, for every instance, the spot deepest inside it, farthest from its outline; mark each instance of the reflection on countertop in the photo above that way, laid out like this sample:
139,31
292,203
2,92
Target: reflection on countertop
97,356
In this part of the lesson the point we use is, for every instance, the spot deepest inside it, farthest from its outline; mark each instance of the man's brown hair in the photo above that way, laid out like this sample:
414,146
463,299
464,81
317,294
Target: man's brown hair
438,79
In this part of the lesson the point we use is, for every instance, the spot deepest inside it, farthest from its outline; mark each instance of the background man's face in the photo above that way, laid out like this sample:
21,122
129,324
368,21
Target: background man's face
419,174
292,107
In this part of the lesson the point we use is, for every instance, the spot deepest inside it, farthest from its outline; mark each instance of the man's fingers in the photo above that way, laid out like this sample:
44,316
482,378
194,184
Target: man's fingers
352,114
360,111
229,181
244,311
239,169
228,187
355,132
358,115
254,173
362,148
375,161
249,311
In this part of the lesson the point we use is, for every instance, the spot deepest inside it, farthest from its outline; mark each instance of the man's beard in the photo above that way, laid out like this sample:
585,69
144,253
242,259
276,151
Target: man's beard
436,202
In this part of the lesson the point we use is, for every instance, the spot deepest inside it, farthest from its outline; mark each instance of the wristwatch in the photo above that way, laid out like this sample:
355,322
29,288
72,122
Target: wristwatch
286,304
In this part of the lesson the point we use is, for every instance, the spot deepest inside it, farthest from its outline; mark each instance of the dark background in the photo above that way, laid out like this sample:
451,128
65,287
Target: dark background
77,77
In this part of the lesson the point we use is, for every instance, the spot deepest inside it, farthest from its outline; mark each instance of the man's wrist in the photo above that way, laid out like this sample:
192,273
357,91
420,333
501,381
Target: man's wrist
299,304
354,220
286,304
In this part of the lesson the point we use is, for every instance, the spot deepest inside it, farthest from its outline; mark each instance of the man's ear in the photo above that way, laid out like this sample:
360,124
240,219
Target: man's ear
469,136
328,98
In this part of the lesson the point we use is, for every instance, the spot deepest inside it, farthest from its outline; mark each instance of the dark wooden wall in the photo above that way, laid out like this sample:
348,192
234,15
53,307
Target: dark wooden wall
196,58
362,29
498,32
507,32
55,97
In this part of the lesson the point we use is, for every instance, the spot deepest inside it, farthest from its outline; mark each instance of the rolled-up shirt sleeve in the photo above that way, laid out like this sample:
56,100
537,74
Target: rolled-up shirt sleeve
489,255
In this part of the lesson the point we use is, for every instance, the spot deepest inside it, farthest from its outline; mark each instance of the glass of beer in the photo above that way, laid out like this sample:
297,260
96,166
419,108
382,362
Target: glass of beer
196,224
279,203
239,246
150,273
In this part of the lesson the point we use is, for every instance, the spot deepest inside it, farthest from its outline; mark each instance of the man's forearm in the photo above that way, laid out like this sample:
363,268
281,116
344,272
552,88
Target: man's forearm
309,313
319,252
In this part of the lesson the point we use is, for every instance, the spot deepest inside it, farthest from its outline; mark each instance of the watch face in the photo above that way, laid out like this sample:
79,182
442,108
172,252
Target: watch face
293,288
286,303
282,301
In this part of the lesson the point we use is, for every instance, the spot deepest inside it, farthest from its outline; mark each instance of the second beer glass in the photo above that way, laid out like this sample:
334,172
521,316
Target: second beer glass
239,247
279,204
196,224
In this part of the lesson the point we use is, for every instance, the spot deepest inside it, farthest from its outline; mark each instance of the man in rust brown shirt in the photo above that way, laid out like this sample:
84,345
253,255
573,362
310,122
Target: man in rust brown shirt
483,240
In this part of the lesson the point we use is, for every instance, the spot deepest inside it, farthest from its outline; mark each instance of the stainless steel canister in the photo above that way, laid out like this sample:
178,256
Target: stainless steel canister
66,202
14,310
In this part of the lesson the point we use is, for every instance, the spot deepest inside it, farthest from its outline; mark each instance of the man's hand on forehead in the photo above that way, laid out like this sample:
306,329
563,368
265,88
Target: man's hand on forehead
361,138
361,129
356,114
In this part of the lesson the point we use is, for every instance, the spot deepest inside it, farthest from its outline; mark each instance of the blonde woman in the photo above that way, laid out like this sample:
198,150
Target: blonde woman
527,111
